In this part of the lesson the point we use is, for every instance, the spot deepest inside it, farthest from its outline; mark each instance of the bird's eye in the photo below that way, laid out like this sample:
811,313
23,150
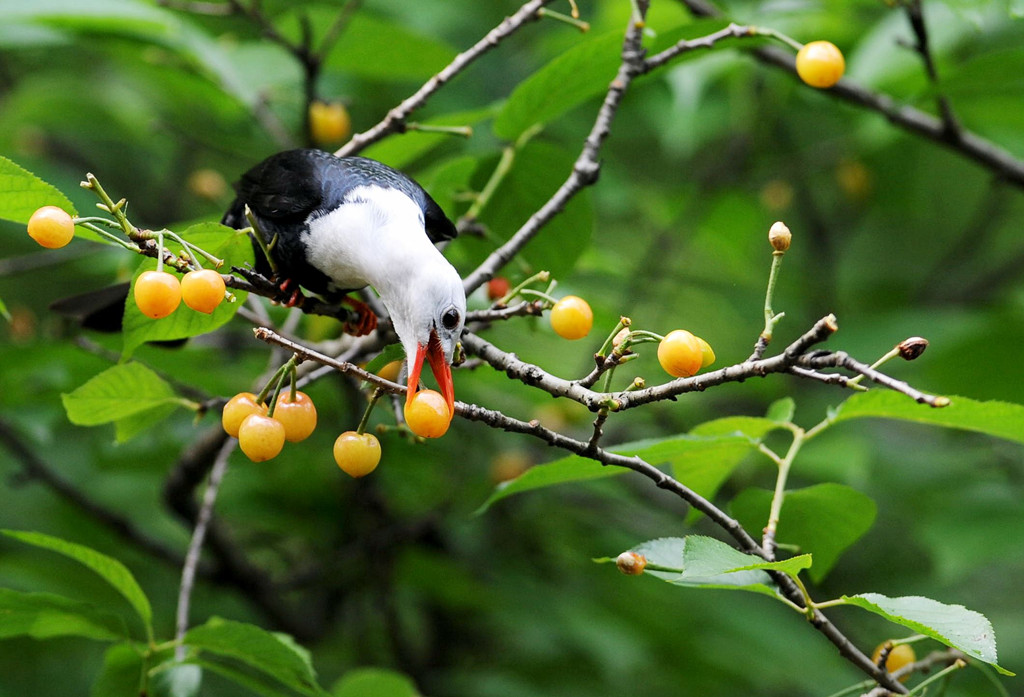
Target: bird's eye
450,319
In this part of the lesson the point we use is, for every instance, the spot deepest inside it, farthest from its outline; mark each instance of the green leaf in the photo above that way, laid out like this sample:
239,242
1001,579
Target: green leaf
953,625
706,563
1000,419
258,683
274,654
753,427
374,682
109,569
45,615
539,169
129,394
373,47
581,73
781,411
824,520
391,353
577,75
22,192
703,462
562,471
119,677
233,247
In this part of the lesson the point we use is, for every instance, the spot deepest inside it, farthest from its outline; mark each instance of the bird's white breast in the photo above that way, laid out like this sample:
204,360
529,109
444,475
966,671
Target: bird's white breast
376,234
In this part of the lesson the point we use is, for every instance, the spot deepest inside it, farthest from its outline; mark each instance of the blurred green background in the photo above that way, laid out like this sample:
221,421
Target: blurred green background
896,235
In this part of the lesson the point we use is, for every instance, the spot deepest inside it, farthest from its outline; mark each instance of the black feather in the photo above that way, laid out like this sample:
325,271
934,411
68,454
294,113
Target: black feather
288,189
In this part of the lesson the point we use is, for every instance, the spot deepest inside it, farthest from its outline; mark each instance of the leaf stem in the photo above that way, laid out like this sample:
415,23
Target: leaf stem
464,131
623,323
771,528
921,687
580,24
544,276
892,353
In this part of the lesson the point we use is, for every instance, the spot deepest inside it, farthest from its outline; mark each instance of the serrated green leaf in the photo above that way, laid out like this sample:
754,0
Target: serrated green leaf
274,654
374,682
45,615
22,192
953,625
999,419
706,460
109,569
123,393
119,677
824,520
562,471
580,73
706,563
230,245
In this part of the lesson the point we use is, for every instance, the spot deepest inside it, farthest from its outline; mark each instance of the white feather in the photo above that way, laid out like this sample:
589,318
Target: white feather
377,238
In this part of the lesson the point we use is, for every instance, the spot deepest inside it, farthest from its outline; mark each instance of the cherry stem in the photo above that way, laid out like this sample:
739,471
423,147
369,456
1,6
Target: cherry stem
377,394
275,383
159,252
623,323
778,36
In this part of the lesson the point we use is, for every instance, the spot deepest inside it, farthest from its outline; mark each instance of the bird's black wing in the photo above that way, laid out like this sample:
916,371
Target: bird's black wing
287,189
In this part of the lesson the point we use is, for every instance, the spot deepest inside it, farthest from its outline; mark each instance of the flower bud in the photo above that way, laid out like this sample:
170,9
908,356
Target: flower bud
779,236
912,348
631,563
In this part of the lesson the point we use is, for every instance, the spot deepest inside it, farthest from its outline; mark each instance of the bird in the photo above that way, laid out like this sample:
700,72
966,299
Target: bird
333,225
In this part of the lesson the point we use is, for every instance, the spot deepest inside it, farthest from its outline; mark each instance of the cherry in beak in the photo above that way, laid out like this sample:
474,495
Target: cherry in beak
434,355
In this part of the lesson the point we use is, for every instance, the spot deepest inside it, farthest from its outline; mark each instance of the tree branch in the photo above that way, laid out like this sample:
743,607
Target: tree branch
395,120
972,146
587,166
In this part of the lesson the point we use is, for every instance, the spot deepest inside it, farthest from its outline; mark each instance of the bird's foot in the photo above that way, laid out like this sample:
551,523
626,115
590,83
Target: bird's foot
286,292
365,320
295,297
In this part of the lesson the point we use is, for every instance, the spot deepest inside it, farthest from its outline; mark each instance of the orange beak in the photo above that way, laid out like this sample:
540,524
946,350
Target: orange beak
438,365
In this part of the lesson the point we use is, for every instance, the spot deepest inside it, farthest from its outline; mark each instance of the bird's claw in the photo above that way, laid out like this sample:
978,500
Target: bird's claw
295,298
365,320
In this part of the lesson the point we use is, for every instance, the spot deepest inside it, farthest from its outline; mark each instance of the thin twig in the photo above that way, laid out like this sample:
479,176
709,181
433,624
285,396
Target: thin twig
394,121
915,14
968,144
586,168
188,571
